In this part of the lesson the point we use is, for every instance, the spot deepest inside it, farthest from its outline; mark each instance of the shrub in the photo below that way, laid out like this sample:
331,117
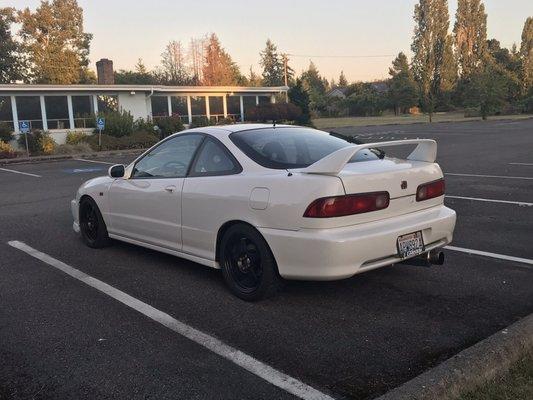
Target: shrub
118,123
144,125
169,125
6,134
199,121
225,121
38,142
80,148
74,137
137,140
6,151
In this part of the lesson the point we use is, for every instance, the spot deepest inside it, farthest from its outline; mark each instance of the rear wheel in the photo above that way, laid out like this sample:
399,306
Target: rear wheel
248,265
92,225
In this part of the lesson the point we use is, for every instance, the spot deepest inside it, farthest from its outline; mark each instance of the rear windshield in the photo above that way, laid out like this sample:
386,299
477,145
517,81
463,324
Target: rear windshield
286,148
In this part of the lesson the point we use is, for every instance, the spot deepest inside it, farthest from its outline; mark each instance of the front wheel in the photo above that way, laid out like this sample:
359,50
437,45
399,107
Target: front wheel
92,225
248,265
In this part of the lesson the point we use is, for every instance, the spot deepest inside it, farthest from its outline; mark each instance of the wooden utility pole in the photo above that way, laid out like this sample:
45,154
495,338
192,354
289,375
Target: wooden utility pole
285,66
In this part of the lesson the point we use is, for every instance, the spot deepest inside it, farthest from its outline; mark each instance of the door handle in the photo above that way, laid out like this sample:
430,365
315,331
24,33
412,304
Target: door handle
170,188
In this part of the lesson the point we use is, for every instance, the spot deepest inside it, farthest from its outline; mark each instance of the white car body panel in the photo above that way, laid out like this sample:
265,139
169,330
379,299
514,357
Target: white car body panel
187,220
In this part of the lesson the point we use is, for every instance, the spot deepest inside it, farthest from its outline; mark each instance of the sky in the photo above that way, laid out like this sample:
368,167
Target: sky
319,30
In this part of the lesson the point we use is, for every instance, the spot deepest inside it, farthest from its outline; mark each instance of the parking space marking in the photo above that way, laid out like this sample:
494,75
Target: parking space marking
491,176
19,172
94,161
518,203
521,163
256,367
492,255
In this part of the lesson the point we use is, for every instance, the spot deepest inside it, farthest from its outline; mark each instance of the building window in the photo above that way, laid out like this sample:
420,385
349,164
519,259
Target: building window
107,103
29,109
264,99
82,107
198,105
179,107
248,102
159,106
216,106
234,107
57,112
6,114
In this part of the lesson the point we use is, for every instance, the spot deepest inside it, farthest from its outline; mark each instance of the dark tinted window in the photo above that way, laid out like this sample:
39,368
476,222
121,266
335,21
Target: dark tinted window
214,159
297,147
170,159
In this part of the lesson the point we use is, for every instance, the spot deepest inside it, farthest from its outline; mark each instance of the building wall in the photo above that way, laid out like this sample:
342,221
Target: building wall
136,104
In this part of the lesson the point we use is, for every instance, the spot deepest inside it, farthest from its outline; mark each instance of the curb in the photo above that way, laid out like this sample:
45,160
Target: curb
61,157
434,122
471,367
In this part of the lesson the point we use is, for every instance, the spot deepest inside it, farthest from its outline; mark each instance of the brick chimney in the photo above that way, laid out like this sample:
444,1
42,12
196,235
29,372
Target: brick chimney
104,69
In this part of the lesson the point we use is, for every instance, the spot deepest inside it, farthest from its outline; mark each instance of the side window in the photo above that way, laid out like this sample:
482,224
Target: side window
214,159
170,159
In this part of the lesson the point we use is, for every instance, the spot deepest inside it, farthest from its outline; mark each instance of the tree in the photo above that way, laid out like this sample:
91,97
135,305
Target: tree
508,64
526,54
470,33
486,89
254,79
429,43
449,76
314,85
343,82
174,69
403,92
10,65
273,66
218,68
299,97
55,42
140,76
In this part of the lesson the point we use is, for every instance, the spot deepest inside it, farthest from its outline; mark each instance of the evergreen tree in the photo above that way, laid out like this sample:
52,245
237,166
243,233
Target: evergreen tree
254,79
343,82
470,33
526,53
273,66
508,65
314,85
429,44
55,42
218,68
402,87
10,65
299,96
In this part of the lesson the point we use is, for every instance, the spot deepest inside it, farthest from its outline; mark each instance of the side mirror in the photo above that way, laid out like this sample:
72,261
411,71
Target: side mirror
116,171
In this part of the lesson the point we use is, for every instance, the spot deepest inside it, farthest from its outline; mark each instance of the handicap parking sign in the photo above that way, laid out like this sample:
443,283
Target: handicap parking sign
24,126
100,123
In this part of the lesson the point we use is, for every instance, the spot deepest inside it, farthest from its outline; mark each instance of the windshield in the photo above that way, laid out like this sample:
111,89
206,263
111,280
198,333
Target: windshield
286,148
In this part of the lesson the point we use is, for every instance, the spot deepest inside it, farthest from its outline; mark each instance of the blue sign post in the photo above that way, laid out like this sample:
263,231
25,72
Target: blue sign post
24,127
100,124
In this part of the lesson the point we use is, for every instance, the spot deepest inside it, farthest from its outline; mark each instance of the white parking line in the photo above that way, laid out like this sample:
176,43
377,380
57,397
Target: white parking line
19,172
492,255
518,203
264,371
521,163
94,161
492,176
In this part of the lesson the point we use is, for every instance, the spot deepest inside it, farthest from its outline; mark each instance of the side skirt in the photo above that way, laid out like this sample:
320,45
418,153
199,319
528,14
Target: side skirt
199,260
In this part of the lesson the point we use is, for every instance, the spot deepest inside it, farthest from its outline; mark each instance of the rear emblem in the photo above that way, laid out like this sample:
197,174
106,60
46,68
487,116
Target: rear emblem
404,185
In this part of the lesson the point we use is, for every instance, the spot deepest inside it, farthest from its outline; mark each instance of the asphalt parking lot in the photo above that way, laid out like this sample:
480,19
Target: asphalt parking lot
357,338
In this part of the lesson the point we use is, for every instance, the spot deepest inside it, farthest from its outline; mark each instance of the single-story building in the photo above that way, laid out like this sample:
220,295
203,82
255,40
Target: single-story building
61,108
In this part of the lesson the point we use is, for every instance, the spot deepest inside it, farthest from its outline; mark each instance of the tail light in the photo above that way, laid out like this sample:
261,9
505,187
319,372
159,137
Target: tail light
340,206
430,190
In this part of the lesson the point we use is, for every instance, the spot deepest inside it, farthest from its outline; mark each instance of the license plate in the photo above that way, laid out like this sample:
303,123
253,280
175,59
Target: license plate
410,245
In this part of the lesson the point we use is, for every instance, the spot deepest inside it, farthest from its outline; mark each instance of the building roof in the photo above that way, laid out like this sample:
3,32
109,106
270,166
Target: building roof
140,88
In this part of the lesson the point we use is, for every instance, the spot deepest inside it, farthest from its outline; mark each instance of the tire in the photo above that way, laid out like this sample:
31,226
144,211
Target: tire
92,226
248,266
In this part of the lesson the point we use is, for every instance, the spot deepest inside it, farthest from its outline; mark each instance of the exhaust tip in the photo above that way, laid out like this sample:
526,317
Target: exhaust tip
436,257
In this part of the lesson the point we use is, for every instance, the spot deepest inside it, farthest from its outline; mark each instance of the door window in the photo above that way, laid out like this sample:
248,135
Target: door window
170,159
214,159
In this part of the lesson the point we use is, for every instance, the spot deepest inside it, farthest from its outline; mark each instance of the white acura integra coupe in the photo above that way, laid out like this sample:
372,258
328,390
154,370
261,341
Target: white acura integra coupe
265,202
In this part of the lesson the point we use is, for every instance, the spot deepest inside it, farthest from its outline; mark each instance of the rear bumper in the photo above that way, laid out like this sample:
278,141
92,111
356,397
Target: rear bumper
75,215
329,254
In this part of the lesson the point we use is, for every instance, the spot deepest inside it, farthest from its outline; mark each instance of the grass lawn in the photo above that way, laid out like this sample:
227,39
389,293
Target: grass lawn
324,123
517,384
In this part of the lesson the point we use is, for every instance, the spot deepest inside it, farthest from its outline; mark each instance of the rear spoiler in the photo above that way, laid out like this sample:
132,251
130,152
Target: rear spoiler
332,164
